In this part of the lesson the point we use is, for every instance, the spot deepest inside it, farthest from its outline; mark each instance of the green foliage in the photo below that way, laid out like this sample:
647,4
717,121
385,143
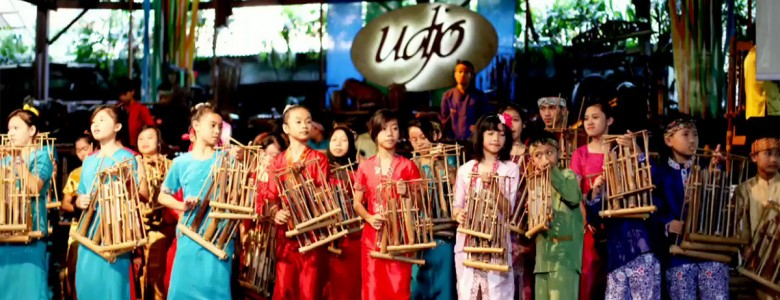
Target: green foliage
13,49
565,19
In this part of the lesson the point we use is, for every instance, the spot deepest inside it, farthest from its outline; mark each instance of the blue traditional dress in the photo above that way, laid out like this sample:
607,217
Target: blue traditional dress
685,277
436,279
197,273
96,278
23,267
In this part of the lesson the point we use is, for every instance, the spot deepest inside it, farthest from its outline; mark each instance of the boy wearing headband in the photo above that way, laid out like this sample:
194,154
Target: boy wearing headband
559,249
765,186
685,277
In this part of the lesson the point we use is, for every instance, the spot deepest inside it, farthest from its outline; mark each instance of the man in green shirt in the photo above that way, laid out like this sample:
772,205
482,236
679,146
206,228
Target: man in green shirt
559,249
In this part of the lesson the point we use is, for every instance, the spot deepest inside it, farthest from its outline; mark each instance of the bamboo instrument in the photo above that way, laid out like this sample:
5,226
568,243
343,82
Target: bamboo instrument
408,230
486,227
19,207
439,165
628,179
259,259
762,255
714,220
343,190
156,167
112,223
226,200
518,222
316,218
539,193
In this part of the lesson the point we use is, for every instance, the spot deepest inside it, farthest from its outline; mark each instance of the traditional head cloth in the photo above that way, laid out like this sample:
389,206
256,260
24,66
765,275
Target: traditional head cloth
764,144
679,124
551,101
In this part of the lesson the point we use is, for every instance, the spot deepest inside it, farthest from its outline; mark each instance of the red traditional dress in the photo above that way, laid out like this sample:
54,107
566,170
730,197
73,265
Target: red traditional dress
382,279
298,276
343,281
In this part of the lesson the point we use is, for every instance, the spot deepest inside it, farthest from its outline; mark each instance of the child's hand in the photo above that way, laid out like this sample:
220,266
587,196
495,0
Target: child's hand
281,217
628,140
461,216
598,183
717,157
486,177
82,201
190,203
401,188
676,227
375,221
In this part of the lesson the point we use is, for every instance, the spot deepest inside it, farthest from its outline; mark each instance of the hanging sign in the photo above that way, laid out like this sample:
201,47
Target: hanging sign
419,45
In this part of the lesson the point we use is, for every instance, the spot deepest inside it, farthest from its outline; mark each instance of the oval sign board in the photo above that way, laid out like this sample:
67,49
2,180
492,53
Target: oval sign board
419,45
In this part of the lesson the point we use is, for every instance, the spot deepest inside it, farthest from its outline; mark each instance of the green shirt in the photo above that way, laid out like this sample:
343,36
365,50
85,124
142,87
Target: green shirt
560,248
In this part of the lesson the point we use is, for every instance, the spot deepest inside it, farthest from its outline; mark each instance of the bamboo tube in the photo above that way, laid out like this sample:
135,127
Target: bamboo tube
486,266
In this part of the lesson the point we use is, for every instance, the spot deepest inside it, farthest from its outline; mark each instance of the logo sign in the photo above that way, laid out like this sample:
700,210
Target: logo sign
419,45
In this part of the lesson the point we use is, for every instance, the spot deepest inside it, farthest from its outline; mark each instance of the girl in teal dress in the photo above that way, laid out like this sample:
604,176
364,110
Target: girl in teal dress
197,273
97,278
435,279
23,267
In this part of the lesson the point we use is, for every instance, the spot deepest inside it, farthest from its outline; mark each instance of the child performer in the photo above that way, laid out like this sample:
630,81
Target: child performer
298,276
343,270
85,145
24,267
197,273
382,279
515,113
435,279
522,247
559,249
552,110
97,278
684,276
162,224
634,272
492,143
764,187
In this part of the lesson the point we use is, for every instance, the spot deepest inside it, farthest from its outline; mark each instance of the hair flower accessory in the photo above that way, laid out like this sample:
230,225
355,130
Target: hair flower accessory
505,119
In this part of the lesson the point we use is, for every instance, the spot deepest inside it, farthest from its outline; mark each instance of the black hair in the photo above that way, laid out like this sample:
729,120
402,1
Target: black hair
379,120
466,63
287,111
271,139
125,85
160,143
426,126
87,139
487,123
351,148
119,116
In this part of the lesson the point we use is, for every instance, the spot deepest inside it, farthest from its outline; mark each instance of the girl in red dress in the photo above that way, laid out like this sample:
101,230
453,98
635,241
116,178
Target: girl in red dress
344,269
382,279
298,275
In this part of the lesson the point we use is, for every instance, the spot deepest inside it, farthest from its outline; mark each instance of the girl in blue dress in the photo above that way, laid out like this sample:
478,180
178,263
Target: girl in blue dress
197,273
97,278
23,267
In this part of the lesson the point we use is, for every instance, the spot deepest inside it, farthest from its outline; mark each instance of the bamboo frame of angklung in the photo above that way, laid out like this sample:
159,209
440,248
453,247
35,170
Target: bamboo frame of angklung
42,140
343,190
441,186
226,200
315,216
156,168
408,229
539,203
762,255
567,139
257,269
628,181
16,201
487,224
112,224
518,223
714,227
